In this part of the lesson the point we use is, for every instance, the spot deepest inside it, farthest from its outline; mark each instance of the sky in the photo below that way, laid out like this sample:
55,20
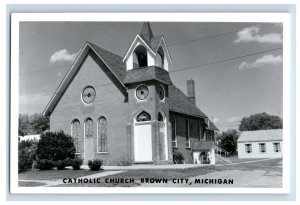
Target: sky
237,67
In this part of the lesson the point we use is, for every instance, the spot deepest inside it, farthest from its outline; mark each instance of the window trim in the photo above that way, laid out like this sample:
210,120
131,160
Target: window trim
85,123
278,147
175,133
250,148
188,139
72,124
262,148
99,152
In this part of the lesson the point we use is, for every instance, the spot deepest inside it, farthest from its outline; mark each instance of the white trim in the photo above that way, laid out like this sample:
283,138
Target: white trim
188,134
106,152
163,100
165,45
175,134
79,56
107,66
165,133
72,133
63,81
135,92
133,42
91,103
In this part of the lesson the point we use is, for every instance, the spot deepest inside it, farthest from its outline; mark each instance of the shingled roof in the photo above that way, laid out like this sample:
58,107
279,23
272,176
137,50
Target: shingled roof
146,74
261,135
203,145
210,125
179,102
114,61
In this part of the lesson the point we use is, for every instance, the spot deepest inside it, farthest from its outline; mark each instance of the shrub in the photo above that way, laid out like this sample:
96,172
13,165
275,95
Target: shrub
77,162
177,157
45,164
26,154
68,161
60,164
55,146
95,164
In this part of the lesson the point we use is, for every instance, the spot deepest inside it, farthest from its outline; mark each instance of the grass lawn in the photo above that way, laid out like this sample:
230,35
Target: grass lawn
269,165
22,183
55,174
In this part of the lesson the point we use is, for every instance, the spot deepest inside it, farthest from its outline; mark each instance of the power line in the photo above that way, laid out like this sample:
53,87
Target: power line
225,60
43,70
191,67
169,45
212,36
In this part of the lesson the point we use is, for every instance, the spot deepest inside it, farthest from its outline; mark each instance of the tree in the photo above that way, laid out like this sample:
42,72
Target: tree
55,146
260,121
34,124
39,123
228,141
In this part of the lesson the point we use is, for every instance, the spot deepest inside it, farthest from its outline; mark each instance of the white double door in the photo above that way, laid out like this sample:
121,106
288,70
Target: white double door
142,142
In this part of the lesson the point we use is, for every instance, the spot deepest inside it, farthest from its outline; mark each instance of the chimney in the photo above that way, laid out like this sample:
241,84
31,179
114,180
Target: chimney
191,91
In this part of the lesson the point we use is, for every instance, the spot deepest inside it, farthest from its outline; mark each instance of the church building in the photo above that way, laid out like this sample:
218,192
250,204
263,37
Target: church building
126,110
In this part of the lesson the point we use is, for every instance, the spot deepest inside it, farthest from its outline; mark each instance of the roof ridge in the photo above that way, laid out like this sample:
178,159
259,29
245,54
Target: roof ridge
104,49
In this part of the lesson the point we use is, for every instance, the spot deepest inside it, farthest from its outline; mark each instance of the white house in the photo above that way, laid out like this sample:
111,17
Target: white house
260,144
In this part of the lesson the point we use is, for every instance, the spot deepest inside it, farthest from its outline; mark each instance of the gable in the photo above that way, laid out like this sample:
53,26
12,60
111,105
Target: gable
105,60
261,135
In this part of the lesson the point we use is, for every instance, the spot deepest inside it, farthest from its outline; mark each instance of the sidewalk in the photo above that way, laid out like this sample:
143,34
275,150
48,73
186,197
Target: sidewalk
60,181
151,166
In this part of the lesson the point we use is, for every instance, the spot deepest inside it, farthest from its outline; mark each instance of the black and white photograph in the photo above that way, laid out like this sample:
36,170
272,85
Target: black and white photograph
150,104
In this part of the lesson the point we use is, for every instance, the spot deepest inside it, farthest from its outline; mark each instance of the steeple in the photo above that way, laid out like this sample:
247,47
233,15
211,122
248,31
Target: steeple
146,31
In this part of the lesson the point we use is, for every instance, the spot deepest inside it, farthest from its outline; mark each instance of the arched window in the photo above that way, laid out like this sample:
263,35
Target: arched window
143,116
88,127
102,134
173,123
75,126
187,126
160,117
140,53
159,59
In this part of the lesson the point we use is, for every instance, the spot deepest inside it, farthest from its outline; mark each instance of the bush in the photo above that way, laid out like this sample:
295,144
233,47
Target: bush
77,162
177,157
95,164
45,164
60,164
55,146
26,154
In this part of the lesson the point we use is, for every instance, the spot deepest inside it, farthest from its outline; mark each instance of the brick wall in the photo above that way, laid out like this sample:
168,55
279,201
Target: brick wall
109,102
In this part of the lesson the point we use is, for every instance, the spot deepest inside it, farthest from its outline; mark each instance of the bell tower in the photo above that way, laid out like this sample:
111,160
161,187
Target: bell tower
147,79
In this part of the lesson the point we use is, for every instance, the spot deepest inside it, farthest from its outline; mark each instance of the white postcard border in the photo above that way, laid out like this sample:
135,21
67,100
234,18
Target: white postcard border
16,18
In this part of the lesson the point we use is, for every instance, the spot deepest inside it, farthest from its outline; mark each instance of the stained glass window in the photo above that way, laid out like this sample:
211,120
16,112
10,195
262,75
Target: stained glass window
75,134
102,135
88,127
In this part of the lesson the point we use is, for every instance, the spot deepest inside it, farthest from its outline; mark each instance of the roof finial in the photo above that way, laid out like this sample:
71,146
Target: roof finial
146,31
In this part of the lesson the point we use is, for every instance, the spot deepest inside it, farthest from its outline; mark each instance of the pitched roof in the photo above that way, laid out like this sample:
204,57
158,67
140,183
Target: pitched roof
180,103
203,145
114,61
210,125
155,42
146,31
147,73
261,135
111,60
178,100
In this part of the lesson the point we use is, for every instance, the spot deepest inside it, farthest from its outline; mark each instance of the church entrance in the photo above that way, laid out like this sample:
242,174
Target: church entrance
142,138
